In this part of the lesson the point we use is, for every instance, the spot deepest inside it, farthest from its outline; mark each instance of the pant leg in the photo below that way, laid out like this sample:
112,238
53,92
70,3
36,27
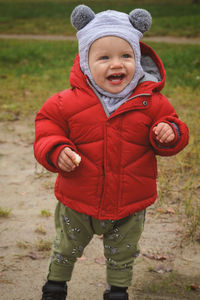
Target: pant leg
73,233
121,248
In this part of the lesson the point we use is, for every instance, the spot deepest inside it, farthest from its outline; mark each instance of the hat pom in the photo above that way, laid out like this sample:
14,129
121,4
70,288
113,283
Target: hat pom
141,19
81,16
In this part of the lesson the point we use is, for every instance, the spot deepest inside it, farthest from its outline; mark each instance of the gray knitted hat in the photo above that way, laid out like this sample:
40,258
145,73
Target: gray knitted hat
93,26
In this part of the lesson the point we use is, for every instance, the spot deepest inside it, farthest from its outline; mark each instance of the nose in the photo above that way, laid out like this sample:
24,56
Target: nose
116,63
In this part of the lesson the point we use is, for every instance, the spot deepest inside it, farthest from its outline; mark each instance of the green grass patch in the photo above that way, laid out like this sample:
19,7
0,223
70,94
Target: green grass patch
23,244
176,18
41,230
45,213
43,245
30,72
182,65
5,212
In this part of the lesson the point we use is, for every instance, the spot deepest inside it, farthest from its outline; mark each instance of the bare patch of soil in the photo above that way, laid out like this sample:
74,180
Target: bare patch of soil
160,39
166,269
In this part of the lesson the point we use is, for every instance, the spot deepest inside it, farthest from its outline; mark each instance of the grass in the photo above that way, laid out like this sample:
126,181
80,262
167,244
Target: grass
176,18
5,212
39,245
172,285
46,213
32,72
23,244
41,230
29,74
43,245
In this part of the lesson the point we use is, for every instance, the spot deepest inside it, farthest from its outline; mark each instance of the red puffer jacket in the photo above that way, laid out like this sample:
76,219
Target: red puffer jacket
117,173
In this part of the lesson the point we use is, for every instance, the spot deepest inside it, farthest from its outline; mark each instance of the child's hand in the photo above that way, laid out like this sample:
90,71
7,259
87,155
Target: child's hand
164,132
68,160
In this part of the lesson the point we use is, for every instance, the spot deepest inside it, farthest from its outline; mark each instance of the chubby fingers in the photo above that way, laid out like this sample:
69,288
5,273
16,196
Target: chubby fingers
66,160
164,133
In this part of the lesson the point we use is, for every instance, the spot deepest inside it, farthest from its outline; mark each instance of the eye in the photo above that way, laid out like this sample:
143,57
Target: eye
126,55
104,57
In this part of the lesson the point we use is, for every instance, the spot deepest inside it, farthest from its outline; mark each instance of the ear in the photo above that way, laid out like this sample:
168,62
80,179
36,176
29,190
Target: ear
140,19
81,16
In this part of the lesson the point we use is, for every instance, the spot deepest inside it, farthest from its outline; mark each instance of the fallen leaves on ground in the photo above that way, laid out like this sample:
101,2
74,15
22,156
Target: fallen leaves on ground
161,269
157,256
168,210
195,287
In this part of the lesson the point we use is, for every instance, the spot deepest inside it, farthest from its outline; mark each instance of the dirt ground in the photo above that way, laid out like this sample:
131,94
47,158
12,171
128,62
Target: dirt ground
163,39
166,269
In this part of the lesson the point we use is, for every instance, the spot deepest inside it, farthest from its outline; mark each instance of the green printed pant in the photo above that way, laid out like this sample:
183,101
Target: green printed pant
75,230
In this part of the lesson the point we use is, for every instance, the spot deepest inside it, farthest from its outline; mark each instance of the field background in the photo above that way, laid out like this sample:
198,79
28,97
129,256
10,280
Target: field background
176,18
33,70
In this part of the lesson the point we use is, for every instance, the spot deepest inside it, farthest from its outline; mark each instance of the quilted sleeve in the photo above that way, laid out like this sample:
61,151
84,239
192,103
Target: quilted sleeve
51,134
164,112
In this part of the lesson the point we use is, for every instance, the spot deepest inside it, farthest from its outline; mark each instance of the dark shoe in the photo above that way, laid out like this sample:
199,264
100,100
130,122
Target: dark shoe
109,295
54,291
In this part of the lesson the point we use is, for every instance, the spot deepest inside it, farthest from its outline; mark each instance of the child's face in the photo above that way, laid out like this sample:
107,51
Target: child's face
112,63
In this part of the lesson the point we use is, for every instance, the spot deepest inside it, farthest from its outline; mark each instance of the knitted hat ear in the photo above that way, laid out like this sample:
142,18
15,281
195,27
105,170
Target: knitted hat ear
140,19
81,16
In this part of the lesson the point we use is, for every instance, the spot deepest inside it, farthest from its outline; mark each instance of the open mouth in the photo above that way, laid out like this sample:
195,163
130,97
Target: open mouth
116,78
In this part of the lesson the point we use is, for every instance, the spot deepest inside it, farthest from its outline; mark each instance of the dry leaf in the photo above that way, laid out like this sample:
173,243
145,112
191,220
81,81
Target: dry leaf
6,281
33,255
168,210
161,210
161,269
156,257
195,287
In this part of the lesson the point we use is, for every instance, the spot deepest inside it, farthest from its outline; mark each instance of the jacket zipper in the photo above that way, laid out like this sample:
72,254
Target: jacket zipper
139,95
108,115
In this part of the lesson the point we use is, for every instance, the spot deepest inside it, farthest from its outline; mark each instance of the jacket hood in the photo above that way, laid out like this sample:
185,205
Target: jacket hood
153,80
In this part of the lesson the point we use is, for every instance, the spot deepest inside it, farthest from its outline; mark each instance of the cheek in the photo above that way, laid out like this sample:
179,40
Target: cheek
97,73
131,71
